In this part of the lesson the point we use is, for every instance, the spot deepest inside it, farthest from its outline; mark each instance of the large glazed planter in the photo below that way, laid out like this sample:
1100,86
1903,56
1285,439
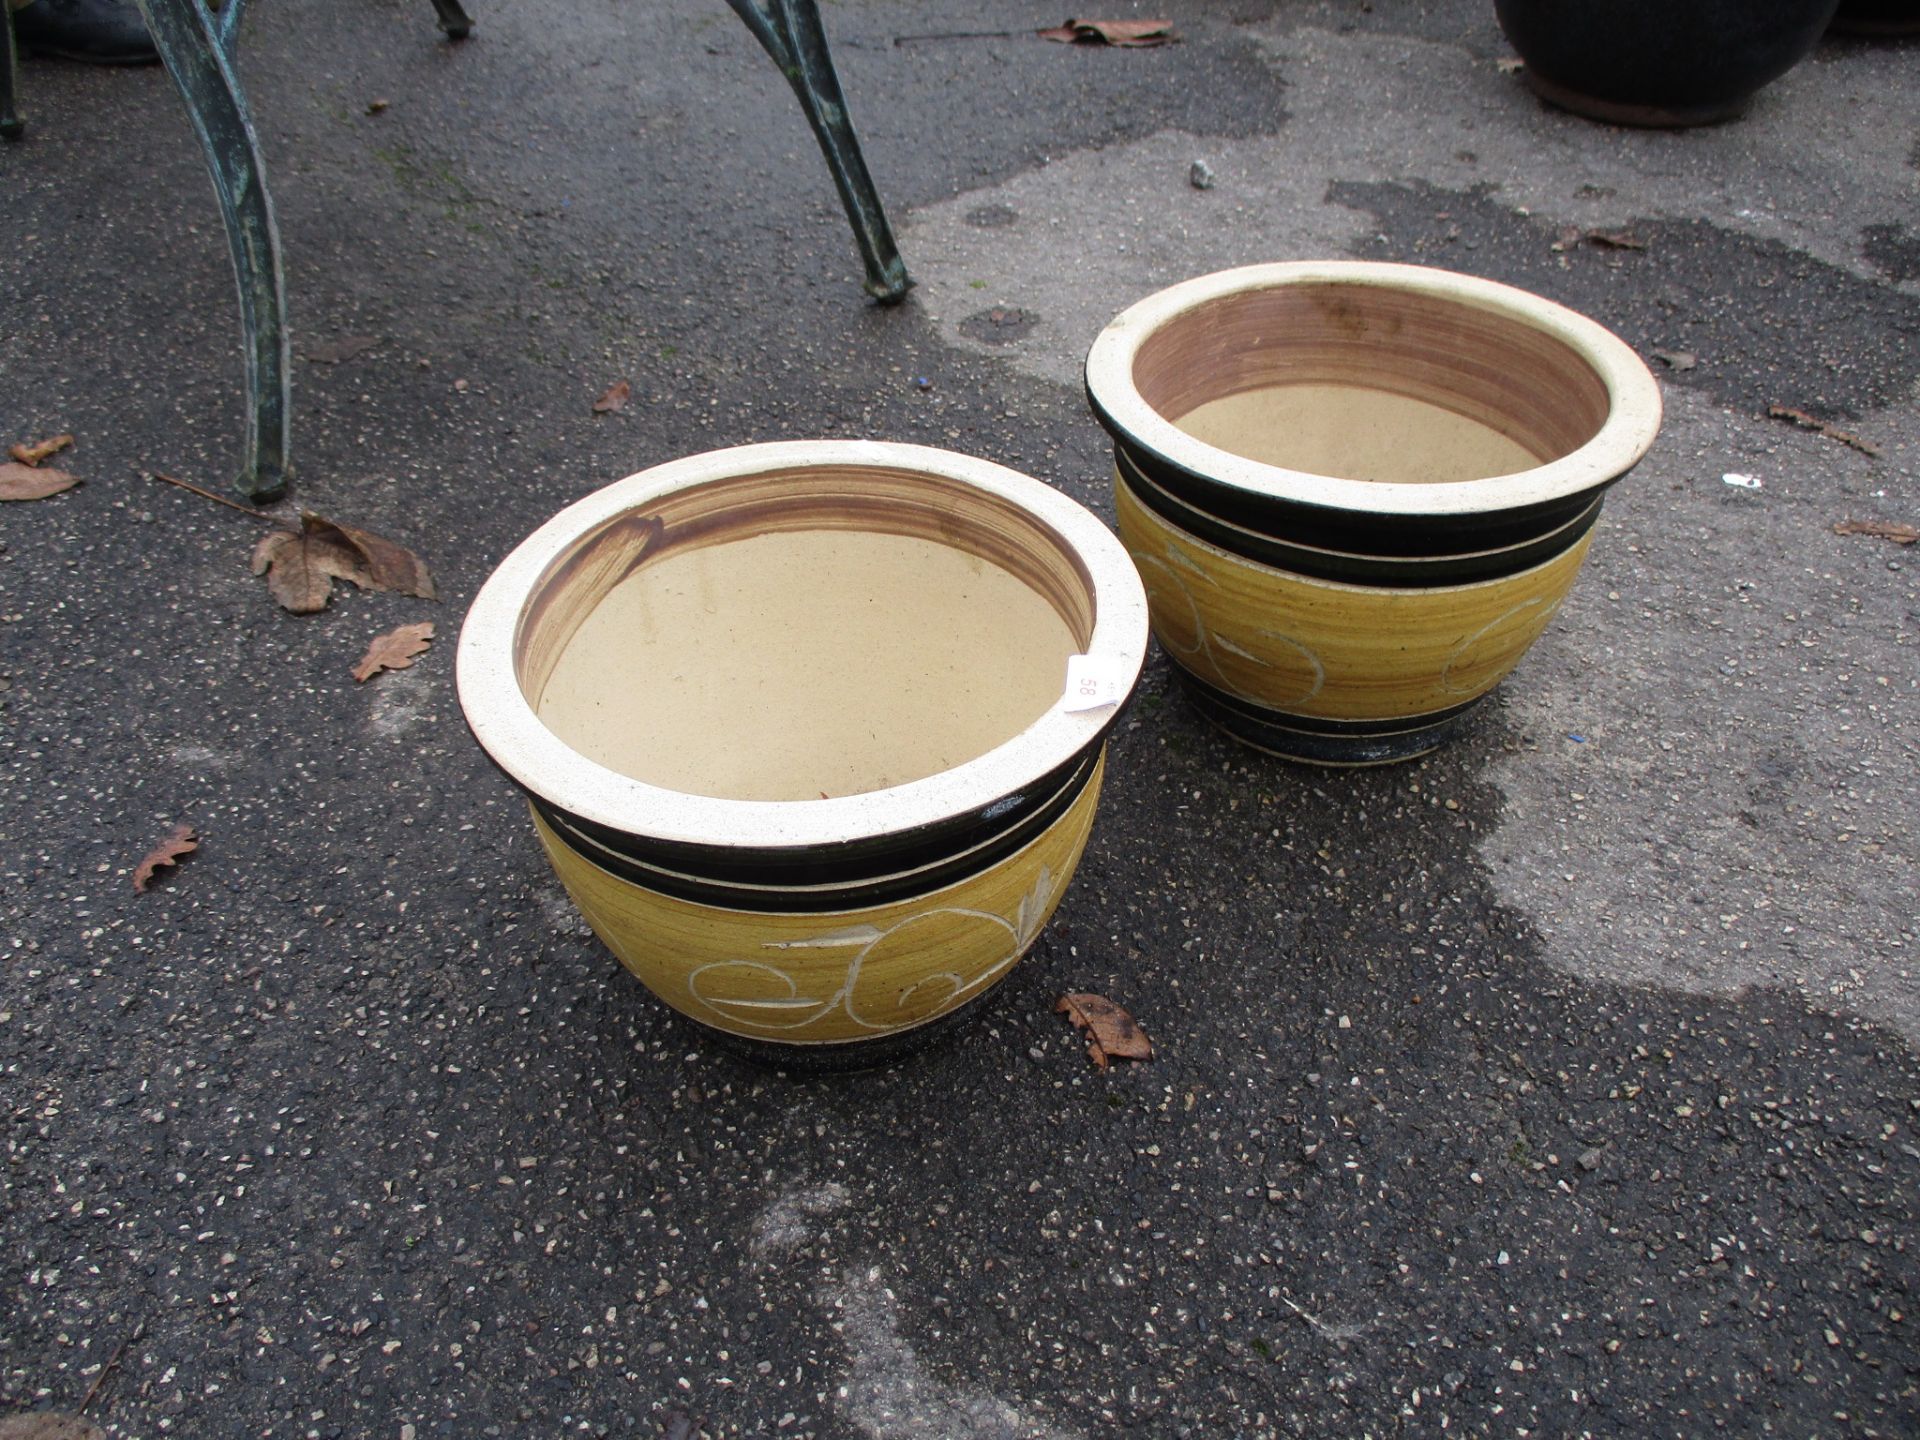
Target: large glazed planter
1358,492
1659,62
793,723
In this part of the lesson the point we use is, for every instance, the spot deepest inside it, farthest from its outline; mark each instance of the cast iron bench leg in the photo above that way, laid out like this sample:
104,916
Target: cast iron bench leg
790,32
453,19
10,126
197,47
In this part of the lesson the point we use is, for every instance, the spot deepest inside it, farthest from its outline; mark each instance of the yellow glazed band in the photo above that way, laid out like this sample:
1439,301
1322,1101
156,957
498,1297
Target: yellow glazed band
1329,651
830,977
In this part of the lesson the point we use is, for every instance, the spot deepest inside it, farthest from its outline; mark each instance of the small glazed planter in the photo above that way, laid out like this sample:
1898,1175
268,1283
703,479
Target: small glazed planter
1659,63
794,726
1358,492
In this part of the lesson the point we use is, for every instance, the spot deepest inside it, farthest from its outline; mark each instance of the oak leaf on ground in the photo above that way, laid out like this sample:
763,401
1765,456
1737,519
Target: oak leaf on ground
302,565
1112,1034
178,842
615,398
394,650
39,450
1126,33
33,482
1880,529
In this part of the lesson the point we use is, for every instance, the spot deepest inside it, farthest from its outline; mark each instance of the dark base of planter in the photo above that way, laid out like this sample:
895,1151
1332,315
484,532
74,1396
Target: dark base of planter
1866,29
853,1056
1310,742
1645,117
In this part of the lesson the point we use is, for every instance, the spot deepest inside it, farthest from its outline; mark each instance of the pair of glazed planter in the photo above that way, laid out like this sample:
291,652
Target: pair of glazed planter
813,733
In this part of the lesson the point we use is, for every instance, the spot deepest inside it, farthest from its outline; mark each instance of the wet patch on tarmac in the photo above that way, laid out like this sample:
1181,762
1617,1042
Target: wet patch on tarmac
1893,250
1766,324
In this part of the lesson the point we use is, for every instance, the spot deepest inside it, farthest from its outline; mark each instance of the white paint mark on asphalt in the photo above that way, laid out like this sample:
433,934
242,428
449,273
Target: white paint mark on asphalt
189,755
890,1392
789,1221
401,704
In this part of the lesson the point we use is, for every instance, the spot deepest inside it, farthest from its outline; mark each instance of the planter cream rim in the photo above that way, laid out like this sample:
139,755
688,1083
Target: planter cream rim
508,729
1633,396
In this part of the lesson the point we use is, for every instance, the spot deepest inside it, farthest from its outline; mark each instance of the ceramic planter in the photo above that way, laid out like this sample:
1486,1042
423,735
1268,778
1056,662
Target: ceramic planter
792,723
1659,62
1358,492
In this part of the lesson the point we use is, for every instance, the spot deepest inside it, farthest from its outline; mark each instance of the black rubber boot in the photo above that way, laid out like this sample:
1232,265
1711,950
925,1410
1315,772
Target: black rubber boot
99,32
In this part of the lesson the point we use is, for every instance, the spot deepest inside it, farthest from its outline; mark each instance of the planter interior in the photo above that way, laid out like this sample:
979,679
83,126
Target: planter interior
1370,383
803,635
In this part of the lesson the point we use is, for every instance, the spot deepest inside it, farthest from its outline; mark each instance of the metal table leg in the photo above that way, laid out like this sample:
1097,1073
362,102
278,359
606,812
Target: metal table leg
197,46
10,126
453,19
790,32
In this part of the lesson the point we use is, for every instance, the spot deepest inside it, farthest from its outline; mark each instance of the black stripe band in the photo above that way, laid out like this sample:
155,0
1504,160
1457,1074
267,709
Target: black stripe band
1299,734
819,882
1345,568
1326,742
1354,532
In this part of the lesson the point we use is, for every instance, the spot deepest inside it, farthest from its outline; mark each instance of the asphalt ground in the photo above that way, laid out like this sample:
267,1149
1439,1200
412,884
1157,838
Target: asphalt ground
1562,1083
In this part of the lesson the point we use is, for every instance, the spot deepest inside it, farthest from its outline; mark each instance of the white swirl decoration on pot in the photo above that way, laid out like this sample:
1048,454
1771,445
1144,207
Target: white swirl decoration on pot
709,985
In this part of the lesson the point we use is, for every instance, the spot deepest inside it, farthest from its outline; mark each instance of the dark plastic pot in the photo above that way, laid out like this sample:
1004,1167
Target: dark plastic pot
1878,17
1659,62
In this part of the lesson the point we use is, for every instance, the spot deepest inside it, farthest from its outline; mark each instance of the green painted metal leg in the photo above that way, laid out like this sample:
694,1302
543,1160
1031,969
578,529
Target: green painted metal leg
453,19
10,126
791,33
197,48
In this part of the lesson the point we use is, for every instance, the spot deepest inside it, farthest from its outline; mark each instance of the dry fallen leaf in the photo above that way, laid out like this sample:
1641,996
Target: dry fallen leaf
180,840
615,399
33,482
1881,529
1677,359
332,352
1133,34
48,1425
33,454
394,650
301,566
1821,427
1112,1034
1616,240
